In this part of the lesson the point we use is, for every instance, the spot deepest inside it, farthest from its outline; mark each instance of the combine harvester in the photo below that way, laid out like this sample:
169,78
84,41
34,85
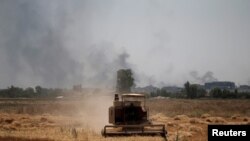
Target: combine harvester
129,116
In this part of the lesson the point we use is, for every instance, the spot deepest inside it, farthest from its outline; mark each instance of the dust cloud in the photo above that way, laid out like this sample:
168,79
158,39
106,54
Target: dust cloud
94,111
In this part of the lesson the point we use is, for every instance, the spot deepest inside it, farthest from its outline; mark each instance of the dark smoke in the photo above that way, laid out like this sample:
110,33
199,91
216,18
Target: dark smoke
33,49
33,46
207,77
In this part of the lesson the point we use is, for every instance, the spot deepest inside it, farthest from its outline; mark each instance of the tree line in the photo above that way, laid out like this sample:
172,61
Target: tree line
37,92
193,91
125,81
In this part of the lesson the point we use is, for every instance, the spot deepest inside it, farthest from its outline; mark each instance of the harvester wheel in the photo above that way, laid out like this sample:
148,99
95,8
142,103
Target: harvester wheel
164,136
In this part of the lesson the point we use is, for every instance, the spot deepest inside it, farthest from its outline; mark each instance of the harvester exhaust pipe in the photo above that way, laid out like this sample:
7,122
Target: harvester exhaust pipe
116,97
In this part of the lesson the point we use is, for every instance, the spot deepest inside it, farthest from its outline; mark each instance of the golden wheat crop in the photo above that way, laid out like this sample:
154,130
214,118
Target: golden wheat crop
78,120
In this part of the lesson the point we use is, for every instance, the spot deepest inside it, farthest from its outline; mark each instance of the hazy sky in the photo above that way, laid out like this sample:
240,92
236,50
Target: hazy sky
59,43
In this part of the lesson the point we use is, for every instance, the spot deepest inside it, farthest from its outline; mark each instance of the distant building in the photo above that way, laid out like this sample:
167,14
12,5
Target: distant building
152,89
221,85
172,89
148,89
244,88
199,86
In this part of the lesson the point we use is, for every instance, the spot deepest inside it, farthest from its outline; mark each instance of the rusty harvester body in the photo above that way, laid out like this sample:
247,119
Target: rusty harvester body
129,116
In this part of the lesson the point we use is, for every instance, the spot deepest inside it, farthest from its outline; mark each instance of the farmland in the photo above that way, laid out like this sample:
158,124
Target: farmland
83,119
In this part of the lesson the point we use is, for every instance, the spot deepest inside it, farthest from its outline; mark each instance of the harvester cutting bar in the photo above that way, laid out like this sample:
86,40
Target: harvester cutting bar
151,129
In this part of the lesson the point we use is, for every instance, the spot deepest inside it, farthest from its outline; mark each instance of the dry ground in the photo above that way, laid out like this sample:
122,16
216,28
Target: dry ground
78,120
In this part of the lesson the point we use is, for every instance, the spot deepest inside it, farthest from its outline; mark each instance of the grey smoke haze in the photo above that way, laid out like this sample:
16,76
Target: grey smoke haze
34,50
60,43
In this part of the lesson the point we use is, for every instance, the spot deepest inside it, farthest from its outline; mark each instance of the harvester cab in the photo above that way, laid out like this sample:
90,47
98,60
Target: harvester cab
129,116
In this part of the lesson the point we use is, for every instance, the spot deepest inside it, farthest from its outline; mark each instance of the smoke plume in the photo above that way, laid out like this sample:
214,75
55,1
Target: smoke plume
207,77
35,48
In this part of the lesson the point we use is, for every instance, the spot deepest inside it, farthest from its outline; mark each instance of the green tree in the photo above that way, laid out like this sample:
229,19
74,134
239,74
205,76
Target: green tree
187,89
201,92
216,93
29,92
164,93
14,92
225,94
193,91
38,90
125,81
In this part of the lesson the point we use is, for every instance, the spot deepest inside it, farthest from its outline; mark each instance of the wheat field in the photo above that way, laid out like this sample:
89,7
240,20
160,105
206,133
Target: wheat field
82,120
